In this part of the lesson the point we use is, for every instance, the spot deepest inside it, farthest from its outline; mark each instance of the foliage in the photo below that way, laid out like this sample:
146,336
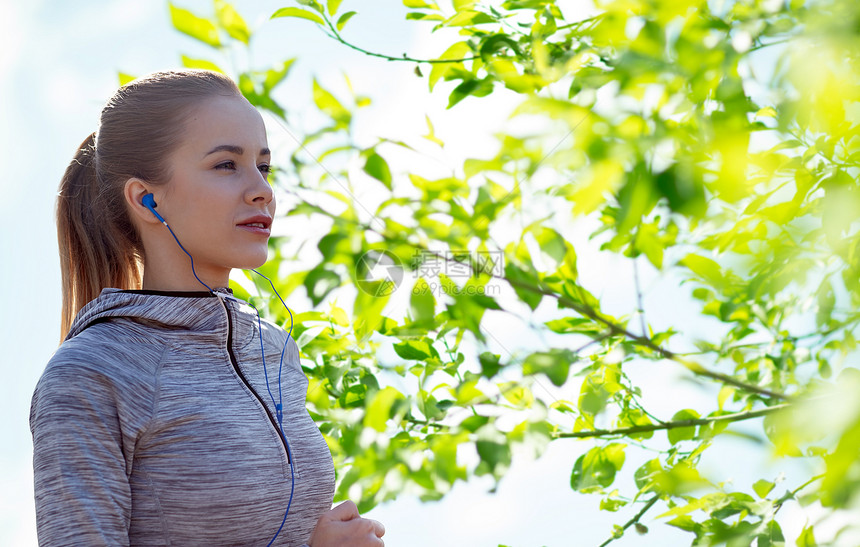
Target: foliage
716,143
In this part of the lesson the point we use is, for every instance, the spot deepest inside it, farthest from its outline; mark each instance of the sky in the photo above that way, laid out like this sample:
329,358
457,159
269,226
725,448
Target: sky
59,64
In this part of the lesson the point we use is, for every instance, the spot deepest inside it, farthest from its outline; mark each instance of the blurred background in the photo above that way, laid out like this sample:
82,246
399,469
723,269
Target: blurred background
59,63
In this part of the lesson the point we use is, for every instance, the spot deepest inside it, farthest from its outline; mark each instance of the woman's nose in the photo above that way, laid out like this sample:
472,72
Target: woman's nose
260,189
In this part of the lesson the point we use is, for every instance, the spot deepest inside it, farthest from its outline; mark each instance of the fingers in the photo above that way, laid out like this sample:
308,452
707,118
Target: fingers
344,527
378,528
345,511
348,511
369,527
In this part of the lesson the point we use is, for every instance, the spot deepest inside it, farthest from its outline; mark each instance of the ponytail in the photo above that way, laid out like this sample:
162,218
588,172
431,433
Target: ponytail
139,128
92,255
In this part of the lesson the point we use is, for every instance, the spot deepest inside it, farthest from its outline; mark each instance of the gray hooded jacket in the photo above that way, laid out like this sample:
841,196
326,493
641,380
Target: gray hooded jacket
153,425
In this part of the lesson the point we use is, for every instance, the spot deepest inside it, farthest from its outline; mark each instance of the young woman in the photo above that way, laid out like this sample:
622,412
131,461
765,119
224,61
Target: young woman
171,415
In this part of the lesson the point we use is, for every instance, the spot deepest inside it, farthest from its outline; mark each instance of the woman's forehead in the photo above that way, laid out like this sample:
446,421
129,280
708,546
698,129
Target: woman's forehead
225,121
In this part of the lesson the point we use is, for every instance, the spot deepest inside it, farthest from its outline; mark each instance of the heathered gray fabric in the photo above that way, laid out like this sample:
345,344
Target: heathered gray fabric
144,434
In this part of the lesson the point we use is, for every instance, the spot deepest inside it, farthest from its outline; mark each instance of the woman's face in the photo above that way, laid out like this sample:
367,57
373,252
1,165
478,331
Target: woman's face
219,201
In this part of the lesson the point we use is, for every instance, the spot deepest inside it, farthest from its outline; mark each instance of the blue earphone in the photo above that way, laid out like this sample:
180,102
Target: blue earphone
148,201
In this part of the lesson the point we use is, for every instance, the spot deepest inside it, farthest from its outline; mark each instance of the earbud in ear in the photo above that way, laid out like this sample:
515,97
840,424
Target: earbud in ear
148,201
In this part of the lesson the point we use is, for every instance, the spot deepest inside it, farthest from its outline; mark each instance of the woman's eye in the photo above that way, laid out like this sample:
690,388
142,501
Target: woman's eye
265,169
226,165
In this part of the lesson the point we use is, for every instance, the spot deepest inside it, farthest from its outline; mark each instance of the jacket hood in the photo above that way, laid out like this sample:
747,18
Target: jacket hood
193,310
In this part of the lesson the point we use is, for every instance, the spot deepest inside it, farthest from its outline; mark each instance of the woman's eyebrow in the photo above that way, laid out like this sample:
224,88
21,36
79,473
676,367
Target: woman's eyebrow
238,150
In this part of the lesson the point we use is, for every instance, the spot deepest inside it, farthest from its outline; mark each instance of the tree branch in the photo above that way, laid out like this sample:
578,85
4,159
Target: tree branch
792,493
641,309
622,431
336,35
632,521
614,328
590,313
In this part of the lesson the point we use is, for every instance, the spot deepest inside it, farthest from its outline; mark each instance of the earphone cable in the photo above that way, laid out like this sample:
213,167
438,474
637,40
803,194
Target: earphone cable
279,404
190,257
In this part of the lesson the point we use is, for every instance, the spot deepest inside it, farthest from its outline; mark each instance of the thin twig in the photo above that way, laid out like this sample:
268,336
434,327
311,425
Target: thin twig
792,493
614,328
621,431
632,521
641,309
336,35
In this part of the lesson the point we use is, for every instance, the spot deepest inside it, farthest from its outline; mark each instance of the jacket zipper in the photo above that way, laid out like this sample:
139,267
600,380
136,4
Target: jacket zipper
245,381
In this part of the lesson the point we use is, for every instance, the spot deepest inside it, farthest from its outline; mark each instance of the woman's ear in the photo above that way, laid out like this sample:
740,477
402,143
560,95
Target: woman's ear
133,192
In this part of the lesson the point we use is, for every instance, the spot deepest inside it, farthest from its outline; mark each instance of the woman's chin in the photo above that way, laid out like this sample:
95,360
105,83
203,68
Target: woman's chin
252,262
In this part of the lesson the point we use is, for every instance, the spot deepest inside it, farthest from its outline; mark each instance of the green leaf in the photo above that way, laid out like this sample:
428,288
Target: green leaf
422,303
419,4
198,28
431,134
125,78
343,19
517,395
679,434
724,394
300,13
333,6
312,4
611,504
330,244
276,75
705,268
421,16
496,42
476,87
569,325
772,536
474,423
647,472
377,167
320,282
596,469
490,365
417,350
468,18
517,277
683,189
230,20
251,90
763,487
367,313
326,102
200,63
555,363
523,4
495,457
633,417
806,538
379,410
458,50
552,244
648,242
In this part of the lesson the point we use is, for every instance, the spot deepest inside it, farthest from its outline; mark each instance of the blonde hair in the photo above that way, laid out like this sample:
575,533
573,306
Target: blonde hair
139,128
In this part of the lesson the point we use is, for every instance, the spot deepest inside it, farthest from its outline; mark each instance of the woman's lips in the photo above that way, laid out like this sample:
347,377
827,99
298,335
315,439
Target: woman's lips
258,225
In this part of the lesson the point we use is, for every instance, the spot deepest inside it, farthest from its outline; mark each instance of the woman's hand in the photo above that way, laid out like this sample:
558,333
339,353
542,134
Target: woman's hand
344,527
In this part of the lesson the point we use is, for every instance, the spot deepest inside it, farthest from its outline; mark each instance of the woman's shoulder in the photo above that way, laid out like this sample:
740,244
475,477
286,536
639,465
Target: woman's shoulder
108,350
277,335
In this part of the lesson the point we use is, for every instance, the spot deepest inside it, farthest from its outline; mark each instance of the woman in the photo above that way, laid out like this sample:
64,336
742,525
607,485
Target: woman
153,422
